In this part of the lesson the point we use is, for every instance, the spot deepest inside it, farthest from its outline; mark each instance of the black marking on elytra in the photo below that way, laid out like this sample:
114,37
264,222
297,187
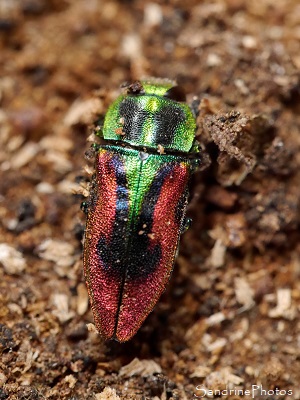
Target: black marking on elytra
145,253
167,120
134,117
140,255
112,252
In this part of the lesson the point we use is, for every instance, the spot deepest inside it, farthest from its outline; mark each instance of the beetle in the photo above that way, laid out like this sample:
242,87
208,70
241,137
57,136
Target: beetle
137,205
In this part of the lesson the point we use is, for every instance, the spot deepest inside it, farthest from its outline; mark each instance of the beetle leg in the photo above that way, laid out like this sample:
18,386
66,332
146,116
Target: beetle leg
187,222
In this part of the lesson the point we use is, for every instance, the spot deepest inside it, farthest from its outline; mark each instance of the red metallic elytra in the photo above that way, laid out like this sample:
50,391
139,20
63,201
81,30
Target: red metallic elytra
136,210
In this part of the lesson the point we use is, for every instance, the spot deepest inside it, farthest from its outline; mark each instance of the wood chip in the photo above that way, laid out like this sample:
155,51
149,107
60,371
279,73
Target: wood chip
71,380
82,299
140,367
61,310
107,394
218,252
284,306
215,319
24,155
62,253
12,260
219,379
201,372
83,111
244,293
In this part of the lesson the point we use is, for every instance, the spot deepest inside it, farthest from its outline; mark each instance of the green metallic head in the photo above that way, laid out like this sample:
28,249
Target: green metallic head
152,114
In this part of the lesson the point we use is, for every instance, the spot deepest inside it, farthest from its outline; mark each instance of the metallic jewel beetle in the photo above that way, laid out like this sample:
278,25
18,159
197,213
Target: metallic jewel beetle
136,210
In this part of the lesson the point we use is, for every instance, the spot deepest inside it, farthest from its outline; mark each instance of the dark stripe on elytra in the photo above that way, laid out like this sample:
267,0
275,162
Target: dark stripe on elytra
167,120
138,257
112,251
144,257
134,117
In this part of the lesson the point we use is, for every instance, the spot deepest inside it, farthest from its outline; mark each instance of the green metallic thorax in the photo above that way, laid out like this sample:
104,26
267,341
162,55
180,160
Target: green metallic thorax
151,120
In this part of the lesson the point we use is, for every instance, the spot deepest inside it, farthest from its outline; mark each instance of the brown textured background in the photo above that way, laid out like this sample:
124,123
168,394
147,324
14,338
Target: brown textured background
230,315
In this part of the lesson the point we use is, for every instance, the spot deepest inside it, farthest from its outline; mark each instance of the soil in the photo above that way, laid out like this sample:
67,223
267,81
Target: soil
229,319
